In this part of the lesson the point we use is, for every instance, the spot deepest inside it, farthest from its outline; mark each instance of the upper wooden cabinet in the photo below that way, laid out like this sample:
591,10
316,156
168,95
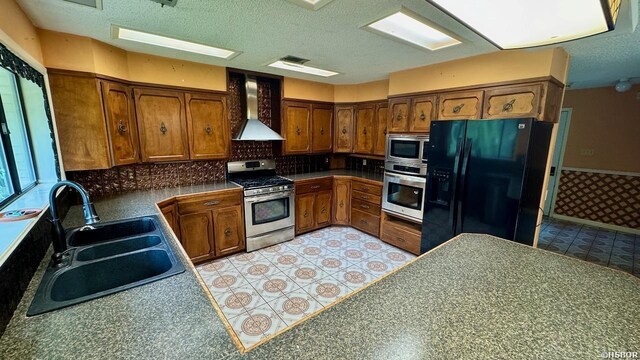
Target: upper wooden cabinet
343,135
82,131
365,128
423,110
121,122
512,101
208,126
460,105
162,124
322,124
381,120
399,114
297,127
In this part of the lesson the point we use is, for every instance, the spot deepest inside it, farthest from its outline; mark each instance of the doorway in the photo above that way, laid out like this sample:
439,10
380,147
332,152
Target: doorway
556,161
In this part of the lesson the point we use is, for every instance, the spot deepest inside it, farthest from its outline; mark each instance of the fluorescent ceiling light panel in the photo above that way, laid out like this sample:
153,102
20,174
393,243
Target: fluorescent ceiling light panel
512,24
311,4
413,29
170,43
302,68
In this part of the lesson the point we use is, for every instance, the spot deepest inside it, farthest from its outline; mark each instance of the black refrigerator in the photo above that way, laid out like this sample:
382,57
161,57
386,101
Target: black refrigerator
484,176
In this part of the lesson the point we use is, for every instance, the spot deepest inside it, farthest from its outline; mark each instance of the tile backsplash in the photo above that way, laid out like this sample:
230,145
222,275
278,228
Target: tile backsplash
373,166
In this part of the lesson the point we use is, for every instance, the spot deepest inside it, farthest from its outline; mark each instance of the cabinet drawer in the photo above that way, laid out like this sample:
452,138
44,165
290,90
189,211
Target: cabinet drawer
365,222
400,238
367,207
209,201
366,188
373,199
314,185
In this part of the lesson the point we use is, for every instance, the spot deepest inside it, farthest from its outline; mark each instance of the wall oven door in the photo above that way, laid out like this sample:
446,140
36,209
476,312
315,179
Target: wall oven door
403,195
267,213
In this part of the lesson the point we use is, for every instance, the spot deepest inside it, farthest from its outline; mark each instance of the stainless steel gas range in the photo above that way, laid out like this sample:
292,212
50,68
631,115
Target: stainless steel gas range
269,202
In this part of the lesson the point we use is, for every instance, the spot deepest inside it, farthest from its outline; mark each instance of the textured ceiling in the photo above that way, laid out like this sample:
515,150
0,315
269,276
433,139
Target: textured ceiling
265,30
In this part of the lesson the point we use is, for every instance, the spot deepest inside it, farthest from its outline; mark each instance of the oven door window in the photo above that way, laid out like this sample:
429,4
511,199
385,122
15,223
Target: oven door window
271,210
406,149
405,196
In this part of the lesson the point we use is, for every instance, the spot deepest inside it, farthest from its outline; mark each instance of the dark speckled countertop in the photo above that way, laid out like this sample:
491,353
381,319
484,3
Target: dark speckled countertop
475,297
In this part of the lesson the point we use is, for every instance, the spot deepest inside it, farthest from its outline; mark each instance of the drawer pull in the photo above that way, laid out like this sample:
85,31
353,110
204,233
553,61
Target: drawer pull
208,129
323,210
508,106
364,221
365,197
365,206
399,116
163,128
423,117
365,130
364,188
315,187
456,109
298,131
384,131
400,239
227,232
122,128
321,131
212,202
306,214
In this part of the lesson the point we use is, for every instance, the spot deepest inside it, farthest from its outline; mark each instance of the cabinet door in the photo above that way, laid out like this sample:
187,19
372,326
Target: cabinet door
304,212
169,211
80,121
196,235
228,225
460,105
341,203
381,118
423,110
512,102
399,115
322,209
121,122
344,129
297,127
322,120
365,129
207,125
162,124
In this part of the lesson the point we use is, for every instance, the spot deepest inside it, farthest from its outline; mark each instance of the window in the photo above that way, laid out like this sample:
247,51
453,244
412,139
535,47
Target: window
17,171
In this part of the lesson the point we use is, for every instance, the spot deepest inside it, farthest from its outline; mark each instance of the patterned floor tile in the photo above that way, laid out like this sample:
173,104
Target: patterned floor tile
327,290
271,289
249,330
354,277
233,303
330,263
306,274
295,306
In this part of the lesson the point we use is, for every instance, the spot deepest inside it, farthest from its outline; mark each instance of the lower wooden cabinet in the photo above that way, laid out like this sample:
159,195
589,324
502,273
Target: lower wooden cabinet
305,219
365,206
170,212
322,209
196,230
228,224
401,233
313,204
341,201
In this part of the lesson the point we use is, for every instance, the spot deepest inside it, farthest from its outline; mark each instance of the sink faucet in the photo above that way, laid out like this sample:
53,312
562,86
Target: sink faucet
90,217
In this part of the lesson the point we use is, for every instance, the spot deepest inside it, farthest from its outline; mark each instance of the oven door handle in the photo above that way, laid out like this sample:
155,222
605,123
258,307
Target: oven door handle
406,179
260,198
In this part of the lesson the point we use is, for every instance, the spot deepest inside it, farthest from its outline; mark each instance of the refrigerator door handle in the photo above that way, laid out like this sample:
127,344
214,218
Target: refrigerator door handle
453,199
463,184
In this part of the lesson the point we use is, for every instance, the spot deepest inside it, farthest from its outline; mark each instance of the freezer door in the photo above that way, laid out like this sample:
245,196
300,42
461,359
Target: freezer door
491,176
446,140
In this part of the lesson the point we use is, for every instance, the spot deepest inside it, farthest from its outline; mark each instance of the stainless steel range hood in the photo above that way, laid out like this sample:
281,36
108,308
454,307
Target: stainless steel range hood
252,128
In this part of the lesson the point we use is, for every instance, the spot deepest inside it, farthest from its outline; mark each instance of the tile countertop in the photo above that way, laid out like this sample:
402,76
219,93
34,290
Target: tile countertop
474,297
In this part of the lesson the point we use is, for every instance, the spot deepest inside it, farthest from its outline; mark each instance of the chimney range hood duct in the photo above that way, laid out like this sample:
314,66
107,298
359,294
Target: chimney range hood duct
252,128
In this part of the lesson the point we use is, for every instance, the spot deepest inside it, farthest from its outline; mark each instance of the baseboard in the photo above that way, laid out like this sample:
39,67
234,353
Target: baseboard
596,223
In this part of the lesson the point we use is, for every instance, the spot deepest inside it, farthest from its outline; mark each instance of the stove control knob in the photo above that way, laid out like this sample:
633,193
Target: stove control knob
280,188
259,191
270,189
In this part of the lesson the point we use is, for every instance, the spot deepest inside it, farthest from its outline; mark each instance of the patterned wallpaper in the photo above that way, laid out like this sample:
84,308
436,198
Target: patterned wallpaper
606,198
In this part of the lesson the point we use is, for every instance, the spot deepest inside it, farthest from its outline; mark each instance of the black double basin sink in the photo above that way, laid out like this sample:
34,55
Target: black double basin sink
104,259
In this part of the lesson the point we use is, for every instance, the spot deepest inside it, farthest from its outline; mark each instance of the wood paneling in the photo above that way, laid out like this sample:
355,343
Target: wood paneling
381,118
365,128
399,114
196,235
162,124
343,136
297,127
208,126
322,122
228,225
512,102
423,110
341,201
121,122
460,105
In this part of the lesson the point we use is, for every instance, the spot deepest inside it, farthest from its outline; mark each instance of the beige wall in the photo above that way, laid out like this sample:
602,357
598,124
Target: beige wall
307,90
482,69
375,90
606,122
17,31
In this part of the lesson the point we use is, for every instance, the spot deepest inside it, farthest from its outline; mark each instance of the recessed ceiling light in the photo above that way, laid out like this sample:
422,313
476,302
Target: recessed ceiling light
512,24
302,68
311,4
411,28
171,43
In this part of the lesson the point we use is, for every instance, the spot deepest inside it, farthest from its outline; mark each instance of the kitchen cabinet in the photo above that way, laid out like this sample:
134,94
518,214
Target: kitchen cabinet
399,114
170,213
343,135
211,224
207,126
313,204
82,131
322,125
512,102
121,122
460,105
297,127
162,124
381,120
365,128
401,233
423,110
366,201
341,201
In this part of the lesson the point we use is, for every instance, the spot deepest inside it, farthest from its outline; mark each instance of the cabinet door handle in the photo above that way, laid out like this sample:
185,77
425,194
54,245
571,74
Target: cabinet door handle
365,206
306,214
212,202
315,187
423,117
321,131
400,239
385,130
508,106
122,128
341,203
362,221
399,116
344,130
163,128
298,131
365,130
227,231
456,109
323,210
208,129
